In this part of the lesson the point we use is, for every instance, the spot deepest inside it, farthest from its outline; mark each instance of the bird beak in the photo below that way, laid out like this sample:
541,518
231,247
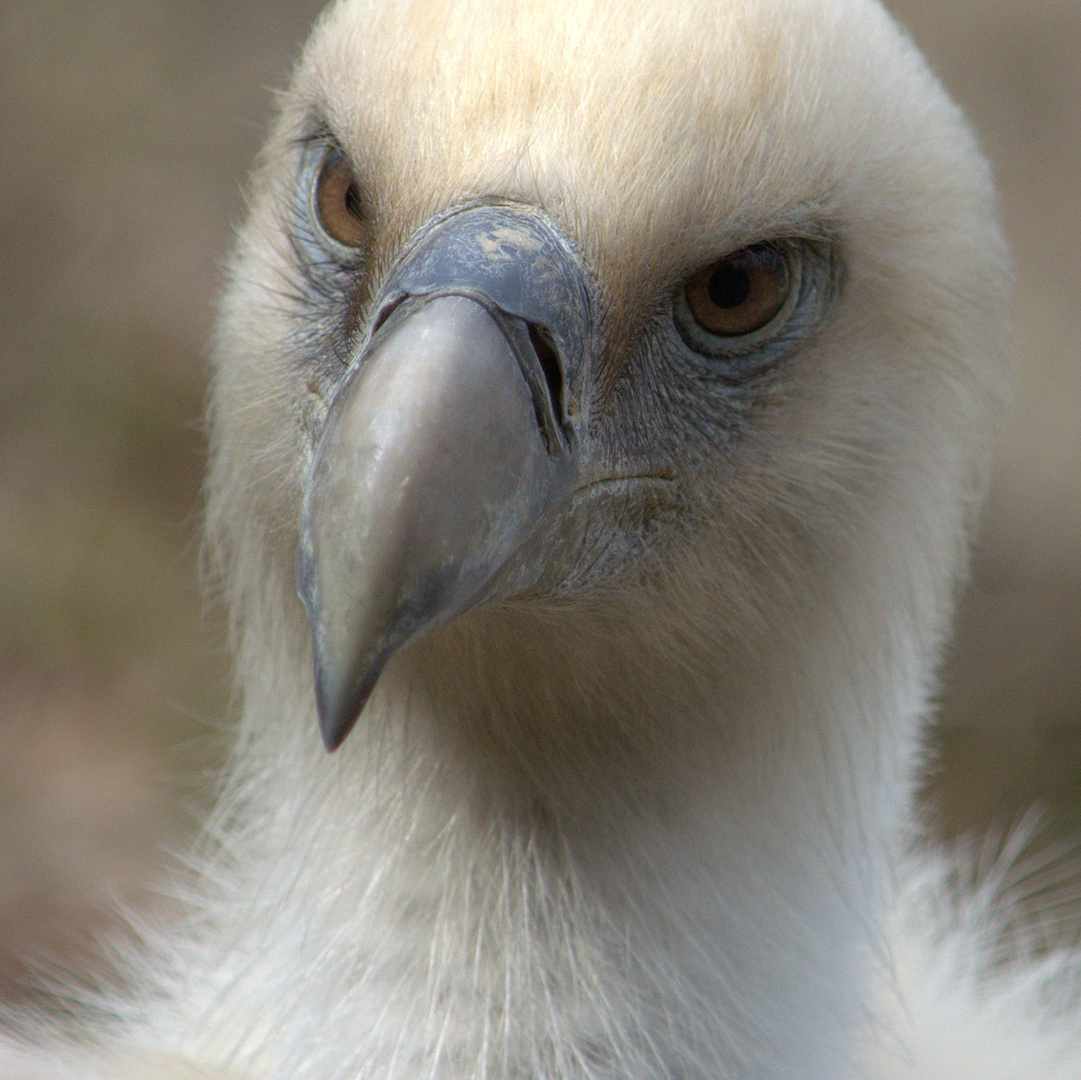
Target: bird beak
453,433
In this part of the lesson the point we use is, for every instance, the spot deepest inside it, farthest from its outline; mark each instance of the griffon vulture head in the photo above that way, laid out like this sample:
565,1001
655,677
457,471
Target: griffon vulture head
599,414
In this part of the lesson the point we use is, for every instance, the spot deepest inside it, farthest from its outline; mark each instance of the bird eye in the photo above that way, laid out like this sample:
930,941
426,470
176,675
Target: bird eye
743,293
754,305
337,203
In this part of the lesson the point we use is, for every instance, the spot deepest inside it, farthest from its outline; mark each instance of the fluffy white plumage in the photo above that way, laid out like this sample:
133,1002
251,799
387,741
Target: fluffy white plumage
645,815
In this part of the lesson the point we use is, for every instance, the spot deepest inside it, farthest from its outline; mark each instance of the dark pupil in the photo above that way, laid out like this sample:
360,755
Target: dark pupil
729,286
352,200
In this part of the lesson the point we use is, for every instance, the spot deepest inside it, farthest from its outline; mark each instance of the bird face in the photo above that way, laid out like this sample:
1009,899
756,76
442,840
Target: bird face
580,308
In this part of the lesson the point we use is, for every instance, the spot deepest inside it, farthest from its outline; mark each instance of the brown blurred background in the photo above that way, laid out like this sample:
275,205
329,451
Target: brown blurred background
127,130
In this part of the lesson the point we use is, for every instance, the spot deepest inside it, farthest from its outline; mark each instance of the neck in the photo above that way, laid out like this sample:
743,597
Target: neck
641,906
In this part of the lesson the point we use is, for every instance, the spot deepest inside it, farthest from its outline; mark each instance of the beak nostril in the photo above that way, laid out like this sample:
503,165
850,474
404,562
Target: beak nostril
385,313
548,356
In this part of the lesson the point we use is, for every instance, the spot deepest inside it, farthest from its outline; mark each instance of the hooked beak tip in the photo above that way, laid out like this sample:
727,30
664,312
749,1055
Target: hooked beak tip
339,710
339,699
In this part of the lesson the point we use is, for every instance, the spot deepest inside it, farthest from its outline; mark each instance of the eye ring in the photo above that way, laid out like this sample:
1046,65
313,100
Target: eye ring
336,205
740,301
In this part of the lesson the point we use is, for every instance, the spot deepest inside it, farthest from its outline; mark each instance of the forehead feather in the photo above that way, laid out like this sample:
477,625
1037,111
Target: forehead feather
677,127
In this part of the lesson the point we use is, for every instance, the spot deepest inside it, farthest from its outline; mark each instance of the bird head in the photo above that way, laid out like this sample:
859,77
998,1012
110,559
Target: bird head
655,339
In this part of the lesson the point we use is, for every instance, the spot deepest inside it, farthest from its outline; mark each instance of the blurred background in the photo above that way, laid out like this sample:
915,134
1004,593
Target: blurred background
128,129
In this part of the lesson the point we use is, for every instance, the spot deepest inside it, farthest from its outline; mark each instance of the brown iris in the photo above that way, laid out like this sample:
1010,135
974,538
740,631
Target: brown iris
338,201
740,293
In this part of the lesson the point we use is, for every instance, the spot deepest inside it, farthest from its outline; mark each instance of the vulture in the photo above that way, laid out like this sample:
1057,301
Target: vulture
600,412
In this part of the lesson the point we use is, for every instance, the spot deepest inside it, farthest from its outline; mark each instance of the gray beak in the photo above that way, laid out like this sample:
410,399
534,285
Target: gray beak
452,435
